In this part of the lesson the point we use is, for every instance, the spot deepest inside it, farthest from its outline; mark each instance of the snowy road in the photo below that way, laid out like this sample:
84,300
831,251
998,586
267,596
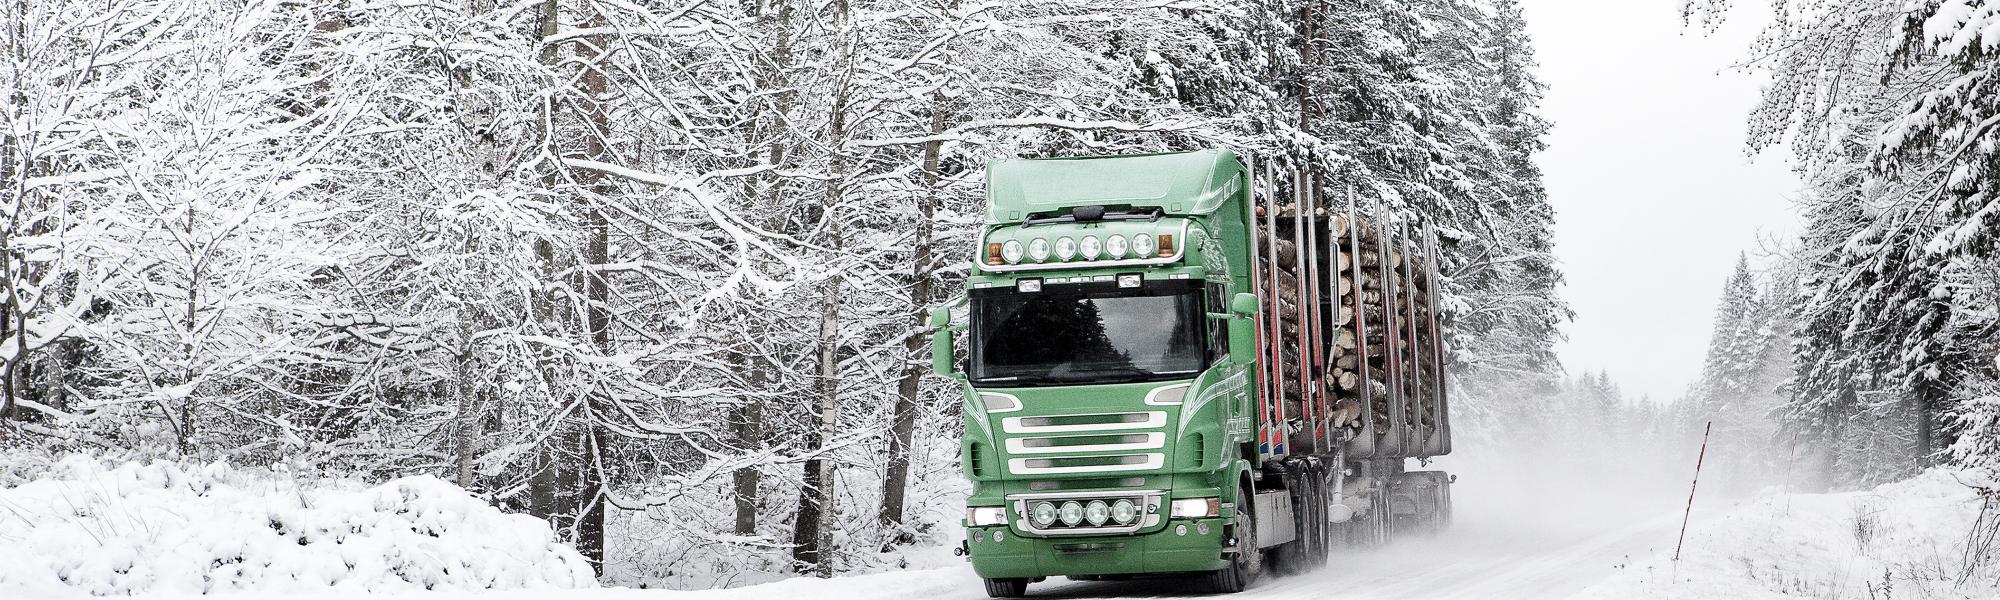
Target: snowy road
1509,542
1550,540
1486,562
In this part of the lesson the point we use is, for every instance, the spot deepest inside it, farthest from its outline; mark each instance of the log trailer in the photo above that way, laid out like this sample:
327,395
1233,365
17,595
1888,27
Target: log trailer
1176,366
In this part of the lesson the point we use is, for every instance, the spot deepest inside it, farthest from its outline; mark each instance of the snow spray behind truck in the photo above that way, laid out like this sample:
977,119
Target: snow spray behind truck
1175,365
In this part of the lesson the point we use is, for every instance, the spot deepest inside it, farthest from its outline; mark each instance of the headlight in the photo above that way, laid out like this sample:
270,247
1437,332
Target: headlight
1038,249
986,516
1097,513
1092,247
1123,511
1043,514
1071,513
1143,246
1196,508
1114,247
1065,248
1011,251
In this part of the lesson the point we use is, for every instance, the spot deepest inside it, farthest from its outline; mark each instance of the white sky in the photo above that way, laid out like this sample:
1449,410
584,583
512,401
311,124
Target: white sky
1653,191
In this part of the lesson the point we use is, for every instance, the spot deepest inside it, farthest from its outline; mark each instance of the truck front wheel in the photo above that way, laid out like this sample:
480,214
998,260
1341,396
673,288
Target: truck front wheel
1247,558
1006,588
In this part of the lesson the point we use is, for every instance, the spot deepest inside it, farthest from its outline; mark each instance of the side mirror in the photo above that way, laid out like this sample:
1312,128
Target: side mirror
1242,332
941,362
1244,305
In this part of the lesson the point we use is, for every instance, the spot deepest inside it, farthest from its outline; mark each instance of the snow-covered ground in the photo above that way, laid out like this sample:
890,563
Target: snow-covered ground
83,528
165,531
1901,540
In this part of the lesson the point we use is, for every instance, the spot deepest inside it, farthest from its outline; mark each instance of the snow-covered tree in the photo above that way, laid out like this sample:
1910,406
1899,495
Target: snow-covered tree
1889,108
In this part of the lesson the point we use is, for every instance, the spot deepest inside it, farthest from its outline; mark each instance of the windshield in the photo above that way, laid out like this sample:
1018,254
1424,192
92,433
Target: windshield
1058,337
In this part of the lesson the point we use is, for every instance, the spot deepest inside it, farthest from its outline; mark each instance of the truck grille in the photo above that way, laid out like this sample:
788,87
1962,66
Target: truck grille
1086,443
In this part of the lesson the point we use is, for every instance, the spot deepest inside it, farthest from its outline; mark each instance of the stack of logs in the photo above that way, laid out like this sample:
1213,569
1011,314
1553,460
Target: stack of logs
1353,263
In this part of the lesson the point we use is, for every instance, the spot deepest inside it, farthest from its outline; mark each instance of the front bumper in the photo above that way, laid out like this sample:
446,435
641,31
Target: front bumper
1184,545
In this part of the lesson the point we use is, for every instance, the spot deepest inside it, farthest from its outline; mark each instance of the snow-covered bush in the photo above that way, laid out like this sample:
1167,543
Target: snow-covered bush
130,528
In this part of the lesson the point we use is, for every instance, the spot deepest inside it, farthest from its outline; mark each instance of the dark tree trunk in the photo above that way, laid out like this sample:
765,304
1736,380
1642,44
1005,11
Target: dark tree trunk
593,87
902,427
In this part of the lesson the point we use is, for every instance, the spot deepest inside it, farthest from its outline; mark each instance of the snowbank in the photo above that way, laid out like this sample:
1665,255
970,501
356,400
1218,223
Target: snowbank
165,528
1901,540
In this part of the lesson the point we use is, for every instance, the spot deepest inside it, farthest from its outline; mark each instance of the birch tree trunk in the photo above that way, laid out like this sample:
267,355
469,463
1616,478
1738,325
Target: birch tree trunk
813,536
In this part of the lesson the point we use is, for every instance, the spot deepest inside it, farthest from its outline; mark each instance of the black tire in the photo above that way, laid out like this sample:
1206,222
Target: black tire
1006,588
1291,558
1322,530
1247,561
1380,520
1308,549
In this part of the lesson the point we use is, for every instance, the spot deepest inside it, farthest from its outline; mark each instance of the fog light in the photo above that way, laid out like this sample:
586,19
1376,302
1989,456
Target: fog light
1123,511
1091,247
1097,513
1043,514
1114,246
1038,249
1011,251
1072,513
1142,245
1028,286
1130,281
1065,248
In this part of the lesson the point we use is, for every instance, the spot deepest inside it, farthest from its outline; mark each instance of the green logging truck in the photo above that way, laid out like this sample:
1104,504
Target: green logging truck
1177,366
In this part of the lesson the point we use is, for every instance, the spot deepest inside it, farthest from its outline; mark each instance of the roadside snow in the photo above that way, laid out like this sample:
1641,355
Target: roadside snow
1901,540
165,528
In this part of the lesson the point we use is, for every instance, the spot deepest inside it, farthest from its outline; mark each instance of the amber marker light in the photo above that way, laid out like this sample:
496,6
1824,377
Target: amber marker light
1166,245
993,253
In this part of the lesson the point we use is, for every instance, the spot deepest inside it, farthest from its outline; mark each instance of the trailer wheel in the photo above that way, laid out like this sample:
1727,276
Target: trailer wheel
1247,560
1322,530
1429,496
1380,521
1006,588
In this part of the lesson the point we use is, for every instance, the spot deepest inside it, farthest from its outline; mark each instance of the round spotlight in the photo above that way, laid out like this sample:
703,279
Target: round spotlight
1072,513
1097,513
1114,247
1043,513
1123,511
1065,248
1038,249
1143,246
1011,251
1092,247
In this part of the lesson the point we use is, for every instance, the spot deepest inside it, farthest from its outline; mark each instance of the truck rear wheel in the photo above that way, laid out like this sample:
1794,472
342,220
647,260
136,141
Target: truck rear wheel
1006,588
1307,550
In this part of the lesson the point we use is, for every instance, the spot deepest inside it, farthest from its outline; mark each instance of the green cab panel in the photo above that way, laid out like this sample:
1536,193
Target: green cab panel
1180,183
1186,546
